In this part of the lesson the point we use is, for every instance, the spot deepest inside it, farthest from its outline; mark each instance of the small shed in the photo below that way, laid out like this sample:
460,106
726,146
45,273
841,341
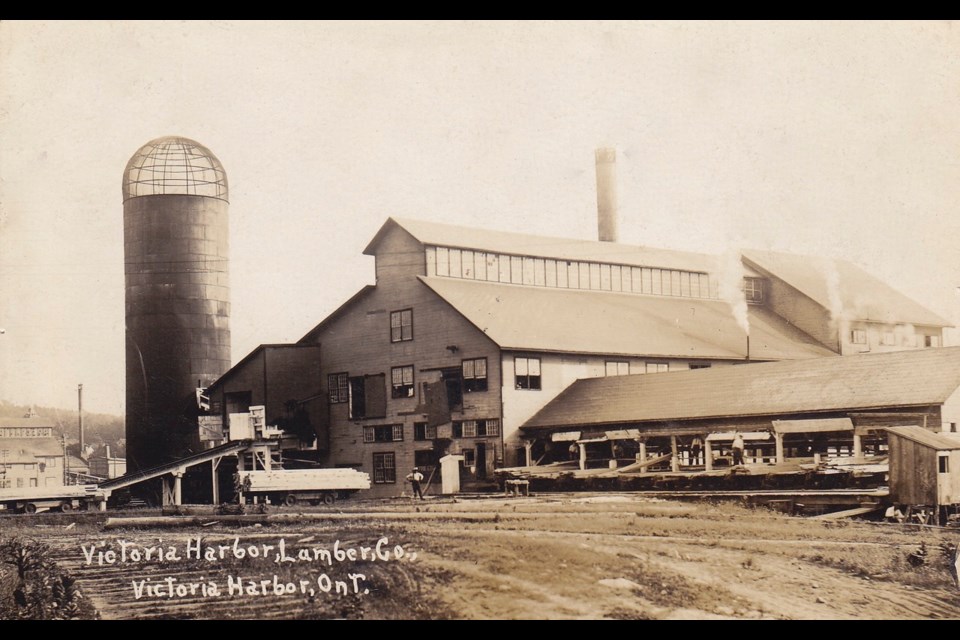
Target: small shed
924,467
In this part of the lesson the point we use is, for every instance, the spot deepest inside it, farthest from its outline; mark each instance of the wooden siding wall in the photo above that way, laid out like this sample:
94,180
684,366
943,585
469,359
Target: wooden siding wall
246,377
557,373
913,472
357,342
950,412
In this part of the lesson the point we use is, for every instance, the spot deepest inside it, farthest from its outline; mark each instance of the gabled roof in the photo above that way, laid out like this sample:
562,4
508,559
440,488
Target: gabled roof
599,322
856,294
448,235
901,378
337,313
26,450
926,437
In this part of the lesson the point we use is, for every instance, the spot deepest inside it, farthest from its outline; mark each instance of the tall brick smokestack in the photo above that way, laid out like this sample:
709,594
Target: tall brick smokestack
607,194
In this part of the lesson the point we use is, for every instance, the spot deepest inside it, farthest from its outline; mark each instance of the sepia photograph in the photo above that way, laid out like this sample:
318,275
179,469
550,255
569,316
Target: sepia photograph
479,320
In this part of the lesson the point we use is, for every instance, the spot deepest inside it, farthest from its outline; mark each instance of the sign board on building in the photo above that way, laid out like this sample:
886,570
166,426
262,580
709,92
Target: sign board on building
241,427
211,428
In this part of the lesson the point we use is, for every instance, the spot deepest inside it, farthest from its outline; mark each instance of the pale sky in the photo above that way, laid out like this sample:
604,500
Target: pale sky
834,139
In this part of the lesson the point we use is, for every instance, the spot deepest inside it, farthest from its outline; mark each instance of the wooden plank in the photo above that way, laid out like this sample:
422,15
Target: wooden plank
848,513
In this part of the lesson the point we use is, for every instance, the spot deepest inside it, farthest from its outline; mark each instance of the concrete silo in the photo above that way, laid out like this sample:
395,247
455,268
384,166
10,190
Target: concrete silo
175,203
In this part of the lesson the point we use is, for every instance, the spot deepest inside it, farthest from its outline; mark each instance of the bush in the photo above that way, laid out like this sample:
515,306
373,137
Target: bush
35,588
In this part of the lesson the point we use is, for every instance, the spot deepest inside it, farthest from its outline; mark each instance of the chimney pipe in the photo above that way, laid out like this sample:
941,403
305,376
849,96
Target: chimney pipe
607,194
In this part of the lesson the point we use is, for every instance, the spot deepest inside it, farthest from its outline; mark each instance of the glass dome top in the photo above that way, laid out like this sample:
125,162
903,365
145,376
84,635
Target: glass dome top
174,165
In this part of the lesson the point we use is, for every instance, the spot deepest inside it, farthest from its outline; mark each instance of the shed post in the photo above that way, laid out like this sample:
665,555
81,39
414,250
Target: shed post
583,456
213,478
857,446
643,455
528,453
778,439
674,455
708,455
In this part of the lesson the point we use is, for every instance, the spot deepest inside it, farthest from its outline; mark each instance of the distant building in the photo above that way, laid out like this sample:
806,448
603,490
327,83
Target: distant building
104,465
30,457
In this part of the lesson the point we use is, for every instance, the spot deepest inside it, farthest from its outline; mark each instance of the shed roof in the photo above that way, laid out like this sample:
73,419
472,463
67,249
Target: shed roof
854,294
926,437
895,379
448,235
600,322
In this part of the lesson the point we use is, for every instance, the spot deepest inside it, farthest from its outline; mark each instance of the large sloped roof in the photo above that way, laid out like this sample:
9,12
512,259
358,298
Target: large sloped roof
598,322
901,378
843,288
448,235
25,450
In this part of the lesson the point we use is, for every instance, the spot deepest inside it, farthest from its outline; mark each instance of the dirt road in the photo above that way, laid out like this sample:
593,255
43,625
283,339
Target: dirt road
555,557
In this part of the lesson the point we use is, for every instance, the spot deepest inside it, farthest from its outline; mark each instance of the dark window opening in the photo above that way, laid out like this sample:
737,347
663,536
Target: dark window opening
401,325
527,373
474,375
368,397
401,382
944,464
454,387
423,431
384,468
701,365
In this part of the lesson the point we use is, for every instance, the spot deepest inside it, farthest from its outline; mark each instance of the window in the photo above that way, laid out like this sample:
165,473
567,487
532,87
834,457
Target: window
401,325
384,468
657,367
944,461
931,341
617,368
888,338
338,386
4,484
527,373
699,365
423,431
488,427
753,290
33,482
475,375
387,433
402,382
19,483
476,428
858,336
468,458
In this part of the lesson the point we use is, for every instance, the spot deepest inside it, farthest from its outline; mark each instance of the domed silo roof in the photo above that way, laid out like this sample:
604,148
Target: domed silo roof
174,165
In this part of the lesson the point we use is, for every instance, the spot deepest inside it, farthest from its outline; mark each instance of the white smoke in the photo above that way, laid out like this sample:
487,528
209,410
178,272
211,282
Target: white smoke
730,287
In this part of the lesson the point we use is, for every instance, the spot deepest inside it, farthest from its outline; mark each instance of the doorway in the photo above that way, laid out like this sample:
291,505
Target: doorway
481,461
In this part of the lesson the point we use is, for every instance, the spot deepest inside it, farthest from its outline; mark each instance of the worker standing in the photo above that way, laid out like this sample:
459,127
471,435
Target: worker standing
737,447
415,478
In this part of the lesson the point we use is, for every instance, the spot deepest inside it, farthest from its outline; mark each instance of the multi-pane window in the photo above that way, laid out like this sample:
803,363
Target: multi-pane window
468,458
401,325
753,290
423,431
527,372
617,368
476,428
657,367
888,338
858,336
338,387
475,375
384,468
386,433
402,382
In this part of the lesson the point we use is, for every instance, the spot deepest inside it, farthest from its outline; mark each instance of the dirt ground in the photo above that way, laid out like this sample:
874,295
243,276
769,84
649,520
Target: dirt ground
560,556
